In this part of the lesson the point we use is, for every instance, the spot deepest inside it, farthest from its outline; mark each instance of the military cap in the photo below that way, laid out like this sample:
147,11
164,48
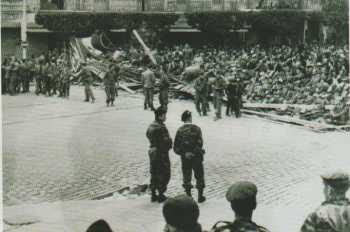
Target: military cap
338,179
241,190
185,115
182,212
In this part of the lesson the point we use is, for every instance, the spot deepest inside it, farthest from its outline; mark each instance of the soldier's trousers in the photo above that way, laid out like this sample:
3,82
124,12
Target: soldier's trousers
201,103
160,170
148,92
195,164
110,93
237,107
88,93
164,98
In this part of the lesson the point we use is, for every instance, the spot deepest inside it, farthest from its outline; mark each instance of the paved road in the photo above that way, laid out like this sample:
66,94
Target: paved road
57,149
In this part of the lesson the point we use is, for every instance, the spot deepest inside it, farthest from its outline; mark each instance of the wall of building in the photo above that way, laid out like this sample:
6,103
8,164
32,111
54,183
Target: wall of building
11,45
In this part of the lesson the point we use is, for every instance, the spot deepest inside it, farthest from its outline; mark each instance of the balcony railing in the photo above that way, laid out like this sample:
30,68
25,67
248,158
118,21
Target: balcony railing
184,5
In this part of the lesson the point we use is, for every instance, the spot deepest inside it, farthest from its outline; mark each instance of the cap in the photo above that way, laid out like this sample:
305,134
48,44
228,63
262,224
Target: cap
337,179
185,115
241,190
181,212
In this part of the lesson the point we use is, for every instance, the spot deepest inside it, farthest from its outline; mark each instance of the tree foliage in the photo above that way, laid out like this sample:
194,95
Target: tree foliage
87,22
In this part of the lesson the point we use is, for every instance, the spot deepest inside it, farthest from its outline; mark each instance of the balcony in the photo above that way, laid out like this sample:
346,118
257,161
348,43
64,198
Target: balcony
186,5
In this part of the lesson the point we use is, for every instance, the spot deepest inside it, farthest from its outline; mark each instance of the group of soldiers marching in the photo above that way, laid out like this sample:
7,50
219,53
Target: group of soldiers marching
52,77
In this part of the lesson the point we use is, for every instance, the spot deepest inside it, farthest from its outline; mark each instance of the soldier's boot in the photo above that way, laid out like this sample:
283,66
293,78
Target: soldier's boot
161,197
201,198
154,196
188,192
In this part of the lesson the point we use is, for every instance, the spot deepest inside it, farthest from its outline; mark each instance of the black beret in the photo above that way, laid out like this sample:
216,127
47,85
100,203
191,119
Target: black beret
185,115
337,179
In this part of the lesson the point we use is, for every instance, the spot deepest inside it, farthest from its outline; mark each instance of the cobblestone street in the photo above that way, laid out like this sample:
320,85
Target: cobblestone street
56,149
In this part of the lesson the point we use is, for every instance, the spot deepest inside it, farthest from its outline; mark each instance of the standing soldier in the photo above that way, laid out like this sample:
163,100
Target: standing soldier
334,213
189,145
148,82
218,87
87,78
12,75
38,76
4,75
160,144
230,93
163,89
110,81
201,88
66,81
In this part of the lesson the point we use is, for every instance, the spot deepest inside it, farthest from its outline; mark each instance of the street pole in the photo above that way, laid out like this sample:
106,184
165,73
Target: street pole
24,43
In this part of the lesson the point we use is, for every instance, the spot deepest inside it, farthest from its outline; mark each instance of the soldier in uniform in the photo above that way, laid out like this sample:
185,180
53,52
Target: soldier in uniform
218,87
242,197
110,81
38,76
334,213
4,75
230,93
87,78
148,82
160,144
163,89
189,145
181,215
201,88
12,76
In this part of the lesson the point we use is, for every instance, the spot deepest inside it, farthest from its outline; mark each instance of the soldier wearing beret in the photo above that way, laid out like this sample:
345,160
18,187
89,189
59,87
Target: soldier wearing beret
334,213
219,86
242,197
160,144
163,88
189,145
181,214
148,80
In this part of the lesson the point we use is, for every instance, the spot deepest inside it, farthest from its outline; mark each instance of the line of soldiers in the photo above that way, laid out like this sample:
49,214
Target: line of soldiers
51,76
219,87
16,75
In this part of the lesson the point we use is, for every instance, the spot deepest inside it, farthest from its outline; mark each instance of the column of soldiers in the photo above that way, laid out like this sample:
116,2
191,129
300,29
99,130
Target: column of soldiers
52,77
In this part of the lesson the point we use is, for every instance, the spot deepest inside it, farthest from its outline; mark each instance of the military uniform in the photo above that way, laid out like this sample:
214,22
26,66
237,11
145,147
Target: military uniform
87,79
189,139
334,214
160,144
163,90
110,81
13,76
234,98
148,82
38,76
201,88
219,87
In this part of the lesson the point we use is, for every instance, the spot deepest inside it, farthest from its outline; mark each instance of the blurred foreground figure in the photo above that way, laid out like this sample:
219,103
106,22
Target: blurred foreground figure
99,226
334,213
242,196
181,214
